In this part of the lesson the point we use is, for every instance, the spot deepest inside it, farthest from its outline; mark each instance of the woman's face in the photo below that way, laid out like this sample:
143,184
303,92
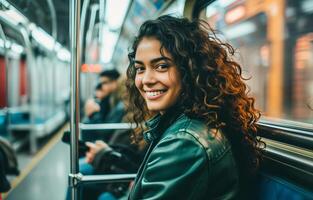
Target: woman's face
157,77
108,85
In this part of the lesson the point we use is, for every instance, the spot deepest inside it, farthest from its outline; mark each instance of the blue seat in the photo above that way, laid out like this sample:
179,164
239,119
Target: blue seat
275,188
2,125
23,118
19,118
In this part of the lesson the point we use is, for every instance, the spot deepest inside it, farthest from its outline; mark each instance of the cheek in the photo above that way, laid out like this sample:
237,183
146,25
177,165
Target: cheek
179,86
138,82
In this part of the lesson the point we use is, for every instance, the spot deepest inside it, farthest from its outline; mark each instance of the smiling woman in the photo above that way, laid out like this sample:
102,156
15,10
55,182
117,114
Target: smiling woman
202,126
157,77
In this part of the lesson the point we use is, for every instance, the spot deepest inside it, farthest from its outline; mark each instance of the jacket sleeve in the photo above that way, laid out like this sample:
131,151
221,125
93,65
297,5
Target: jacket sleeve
176,169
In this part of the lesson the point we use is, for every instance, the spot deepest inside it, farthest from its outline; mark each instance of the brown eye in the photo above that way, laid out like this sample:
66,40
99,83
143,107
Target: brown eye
139,69
162,67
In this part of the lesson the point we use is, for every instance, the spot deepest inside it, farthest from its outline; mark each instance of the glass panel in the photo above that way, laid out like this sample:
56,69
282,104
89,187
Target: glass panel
274,40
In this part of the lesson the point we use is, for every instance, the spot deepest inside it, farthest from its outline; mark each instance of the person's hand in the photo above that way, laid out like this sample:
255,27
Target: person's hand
94,148
91,106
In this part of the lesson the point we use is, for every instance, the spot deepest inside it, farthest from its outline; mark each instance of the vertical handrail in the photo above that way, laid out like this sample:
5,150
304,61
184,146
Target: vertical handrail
75,65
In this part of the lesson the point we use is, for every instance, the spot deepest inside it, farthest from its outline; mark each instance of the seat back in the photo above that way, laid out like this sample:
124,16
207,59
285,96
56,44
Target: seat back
275,188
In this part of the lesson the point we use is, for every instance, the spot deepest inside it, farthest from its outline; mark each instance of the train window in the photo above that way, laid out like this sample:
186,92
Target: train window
275,44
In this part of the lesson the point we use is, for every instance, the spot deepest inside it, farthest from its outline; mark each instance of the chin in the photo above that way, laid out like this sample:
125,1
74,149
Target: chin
155,108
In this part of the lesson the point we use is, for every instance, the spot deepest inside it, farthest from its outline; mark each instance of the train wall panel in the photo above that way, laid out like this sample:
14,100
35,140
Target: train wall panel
14,82
3,94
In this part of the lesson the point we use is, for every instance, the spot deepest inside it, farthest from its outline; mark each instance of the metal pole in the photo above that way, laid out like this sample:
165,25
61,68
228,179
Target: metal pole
75,65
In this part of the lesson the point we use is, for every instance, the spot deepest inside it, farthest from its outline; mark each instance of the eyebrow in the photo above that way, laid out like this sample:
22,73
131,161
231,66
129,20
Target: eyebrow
155,60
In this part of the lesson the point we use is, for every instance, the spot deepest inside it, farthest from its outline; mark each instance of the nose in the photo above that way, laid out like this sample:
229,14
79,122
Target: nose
149,77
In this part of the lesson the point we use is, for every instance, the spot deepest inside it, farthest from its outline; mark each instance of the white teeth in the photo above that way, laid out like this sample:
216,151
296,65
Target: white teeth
154,93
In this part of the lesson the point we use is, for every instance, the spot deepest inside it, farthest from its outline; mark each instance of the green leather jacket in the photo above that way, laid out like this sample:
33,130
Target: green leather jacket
185,161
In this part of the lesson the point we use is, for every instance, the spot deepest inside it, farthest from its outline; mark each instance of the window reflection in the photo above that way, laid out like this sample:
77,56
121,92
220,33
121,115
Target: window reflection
275,44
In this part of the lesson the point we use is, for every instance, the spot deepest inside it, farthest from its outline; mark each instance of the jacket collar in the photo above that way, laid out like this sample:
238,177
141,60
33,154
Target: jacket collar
159,123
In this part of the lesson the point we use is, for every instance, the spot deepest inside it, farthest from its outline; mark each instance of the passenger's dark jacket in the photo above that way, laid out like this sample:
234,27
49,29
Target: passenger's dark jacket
115,115
185,161
100,116
121,157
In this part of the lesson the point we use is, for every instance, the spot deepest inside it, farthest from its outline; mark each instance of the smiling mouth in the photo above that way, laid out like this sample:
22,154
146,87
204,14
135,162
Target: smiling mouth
155,93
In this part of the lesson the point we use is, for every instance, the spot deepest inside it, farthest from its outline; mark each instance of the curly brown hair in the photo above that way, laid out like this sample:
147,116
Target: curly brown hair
213,88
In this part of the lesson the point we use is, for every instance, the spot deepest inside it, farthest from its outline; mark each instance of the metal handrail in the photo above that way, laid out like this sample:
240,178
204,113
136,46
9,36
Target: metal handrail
298,135
289,130
108,178
285,151
289,126
106,126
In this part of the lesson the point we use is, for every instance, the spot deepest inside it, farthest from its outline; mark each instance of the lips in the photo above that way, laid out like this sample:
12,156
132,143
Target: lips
154,94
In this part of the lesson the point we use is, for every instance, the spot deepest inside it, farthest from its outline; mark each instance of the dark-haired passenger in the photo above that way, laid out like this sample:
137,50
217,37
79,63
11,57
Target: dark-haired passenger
202,139
106,107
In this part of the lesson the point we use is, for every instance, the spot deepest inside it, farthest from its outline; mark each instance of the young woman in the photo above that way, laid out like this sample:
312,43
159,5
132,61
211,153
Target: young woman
202,135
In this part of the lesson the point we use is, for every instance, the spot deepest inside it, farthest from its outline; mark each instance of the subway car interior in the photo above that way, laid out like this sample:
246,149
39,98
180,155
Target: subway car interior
52,53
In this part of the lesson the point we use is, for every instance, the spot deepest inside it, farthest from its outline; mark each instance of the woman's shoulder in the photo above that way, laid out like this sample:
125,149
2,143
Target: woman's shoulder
185,128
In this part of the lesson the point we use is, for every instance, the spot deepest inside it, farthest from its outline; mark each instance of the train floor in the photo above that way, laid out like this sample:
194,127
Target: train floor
43,175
